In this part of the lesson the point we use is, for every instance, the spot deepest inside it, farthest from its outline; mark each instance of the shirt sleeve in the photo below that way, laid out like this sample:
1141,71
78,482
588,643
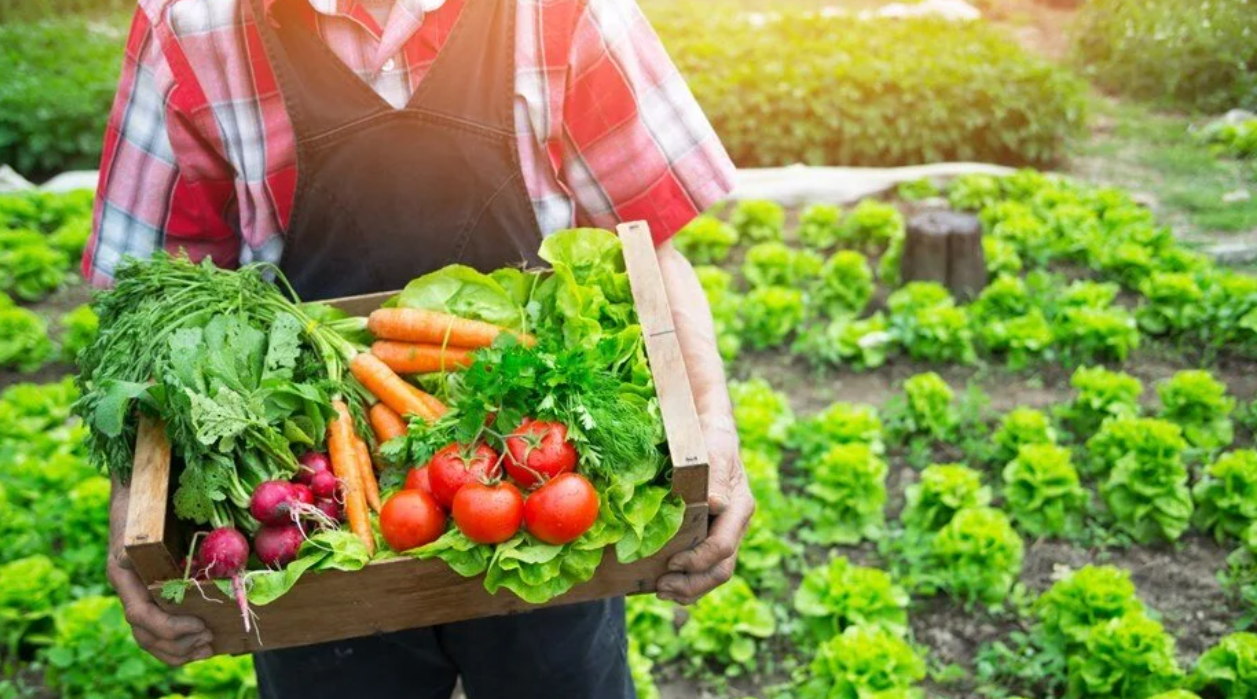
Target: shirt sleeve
162,183
635,143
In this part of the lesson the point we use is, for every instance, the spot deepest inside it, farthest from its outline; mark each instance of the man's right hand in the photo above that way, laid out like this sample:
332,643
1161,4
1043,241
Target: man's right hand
174,640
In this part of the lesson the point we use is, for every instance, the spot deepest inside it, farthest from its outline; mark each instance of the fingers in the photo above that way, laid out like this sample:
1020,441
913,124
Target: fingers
174,640
687,589
723,538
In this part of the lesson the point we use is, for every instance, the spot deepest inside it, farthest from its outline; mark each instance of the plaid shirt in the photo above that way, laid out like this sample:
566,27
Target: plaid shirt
200,155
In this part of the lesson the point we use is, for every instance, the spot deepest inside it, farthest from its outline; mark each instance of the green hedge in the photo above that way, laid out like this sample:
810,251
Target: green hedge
35,9
59,77
1198,55
806,88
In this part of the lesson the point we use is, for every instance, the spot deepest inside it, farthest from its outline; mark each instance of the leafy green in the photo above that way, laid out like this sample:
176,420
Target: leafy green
726,624
1146,489
844,287
837,596
80,326
1101,394
859,344
1042,491
1226,497
777,264
1070,610
977,556
24,342
30,589
872,225
651,623
926,321
1197,402
758,221
820,226
846,494
32,272
1022,426
1228,669
770,314
839,423
706,240
464,292
864,662
1129,657
220,677
763,415
942,491
1173,303
92,654
927,408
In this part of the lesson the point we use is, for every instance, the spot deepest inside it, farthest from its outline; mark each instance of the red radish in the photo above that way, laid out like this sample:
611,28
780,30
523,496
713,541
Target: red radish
312,464
224,553
417,479
303,493
331,508
538,451
324,485
273,503
276,547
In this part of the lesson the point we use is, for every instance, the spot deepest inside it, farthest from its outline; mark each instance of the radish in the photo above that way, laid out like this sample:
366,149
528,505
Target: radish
331,508
324,485
224,554
312,464
273,503
276,547
303,493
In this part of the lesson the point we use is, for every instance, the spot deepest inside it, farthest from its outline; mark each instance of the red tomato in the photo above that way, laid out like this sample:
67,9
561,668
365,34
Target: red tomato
488,514
562,509
538,451
417,479
456,466
411,518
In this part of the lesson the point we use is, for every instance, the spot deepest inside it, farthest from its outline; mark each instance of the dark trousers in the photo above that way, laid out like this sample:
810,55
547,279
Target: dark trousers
576,651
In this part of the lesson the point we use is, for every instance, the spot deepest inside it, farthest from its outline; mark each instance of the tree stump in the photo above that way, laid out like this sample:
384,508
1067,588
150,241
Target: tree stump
945,247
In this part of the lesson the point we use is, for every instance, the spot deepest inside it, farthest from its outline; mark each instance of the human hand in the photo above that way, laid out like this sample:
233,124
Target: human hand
709,565
174,640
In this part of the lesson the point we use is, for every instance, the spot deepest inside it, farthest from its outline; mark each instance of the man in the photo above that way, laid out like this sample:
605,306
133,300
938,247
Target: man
360,143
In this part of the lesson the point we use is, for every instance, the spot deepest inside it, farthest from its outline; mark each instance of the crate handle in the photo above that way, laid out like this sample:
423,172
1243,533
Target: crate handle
145,539
672,382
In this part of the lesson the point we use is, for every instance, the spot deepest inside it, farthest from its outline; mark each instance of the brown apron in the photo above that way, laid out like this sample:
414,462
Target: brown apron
385,195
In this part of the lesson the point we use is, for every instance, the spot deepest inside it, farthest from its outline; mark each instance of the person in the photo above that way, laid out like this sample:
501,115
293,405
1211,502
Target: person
358,144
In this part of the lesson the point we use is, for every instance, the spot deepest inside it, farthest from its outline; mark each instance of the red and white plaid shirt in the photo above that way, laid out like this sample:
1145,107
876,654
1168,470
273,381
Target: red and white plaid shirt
199,153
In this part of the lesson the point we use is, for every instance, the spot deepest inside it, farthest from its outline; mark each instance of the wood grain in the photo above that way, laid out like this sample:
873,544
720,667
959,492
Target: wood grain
672,383
148,540
404,594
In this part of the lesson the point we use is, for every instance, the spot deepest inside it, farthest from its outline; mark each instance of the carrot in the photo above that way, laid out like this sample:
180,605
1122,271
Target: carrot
344,454
390,388
413,358
434,404
370,486
386,423
436,328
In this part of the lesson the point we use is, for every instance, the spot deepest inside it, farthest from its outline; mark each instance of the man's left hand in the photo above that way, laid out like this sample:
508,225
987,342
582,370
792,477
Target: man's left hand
705,567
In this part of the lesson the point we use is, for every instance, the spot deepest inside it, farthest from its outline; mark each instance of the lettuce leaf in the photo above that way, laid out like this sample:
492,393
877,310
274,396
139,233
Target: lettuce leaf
464,292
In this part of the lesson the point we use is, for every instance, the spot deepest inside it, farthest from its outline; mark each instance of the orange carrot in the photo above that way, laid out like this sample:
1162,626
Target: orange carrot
386,423
344,454
435,406
413,358
436,328
370,486
390,388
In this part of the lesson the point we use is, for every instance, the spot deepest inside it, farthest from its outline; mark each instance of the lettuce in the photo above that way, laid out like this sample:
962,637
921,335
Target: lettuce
464,292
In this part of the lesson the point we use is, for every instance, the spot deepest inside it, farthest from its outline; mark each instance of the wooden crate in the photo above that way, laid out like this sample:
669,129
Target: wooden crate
406,593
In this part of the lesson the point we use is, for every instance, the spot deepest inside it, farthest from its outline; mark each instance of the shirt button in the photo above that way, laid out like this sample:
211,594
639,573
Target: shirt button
389,65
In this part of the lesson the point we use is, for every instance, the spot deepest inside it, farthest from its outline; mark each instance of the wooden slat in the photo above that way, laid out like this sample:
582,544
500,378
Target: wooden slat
362,305
403,594
676,399
146,539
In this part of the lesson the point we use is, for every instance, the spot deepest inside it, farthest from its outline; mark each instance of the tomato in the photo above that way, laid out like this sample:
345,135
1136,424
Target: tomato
538,451
457,465
562,509
488,514
411,518
417,479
